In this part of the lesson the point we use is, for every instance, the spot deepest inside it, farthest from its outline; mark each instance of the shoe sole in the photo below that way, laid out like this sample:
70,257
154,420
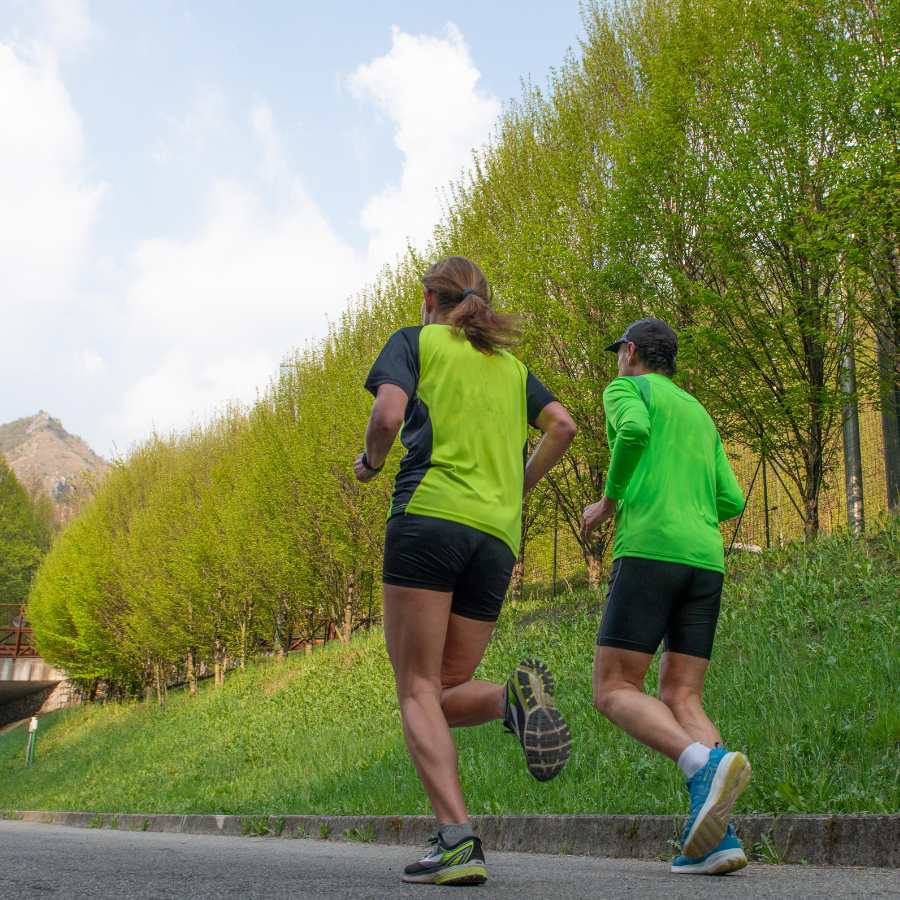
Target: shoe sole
547,742
729,783
471,873
722,863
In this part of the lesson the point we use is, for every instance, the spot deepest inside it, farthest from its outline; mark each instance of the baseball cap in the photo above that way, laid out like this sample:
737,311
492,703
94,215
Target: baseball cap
645,333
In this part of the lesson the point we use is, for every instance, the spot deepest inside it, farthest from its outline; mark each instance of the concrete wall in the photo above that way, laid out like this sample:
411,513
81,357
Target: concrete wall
31,687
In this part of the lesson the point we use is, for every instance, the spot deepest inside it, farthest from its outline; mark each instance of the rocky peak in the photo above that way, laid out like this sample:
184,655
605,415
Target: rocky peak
40,451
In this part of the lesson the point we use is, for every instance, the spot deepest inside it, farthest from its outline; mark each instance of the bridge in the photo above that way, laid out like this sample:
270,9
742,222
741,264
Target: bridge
25,679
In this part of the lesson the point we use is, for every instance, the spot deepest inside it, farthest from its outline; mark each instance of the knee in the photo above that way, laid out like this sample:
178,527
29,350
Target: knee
601,697
678,697
418,691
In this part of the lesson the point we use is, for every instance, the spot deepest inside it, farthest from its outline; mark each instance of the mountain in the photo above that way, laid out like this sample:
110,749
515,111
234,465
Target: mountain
40,451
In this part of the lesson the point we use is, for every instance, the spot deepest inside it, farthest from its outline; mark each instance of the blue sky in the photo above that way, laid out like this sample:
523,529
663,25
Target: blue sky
193,188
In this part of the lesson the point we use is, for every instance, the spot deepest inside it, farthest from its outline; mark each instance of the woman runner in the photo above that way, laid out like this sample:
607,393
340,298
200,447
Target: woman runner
452,539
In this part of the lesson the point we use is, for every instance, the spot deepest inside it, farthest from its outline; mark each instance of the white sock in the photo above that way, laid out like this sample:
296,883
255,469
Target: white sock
693,759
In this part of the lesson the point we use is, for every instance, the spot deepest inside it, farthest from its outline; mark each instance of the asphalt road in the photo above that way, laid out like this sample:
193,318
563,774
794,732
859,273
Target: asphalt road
44,861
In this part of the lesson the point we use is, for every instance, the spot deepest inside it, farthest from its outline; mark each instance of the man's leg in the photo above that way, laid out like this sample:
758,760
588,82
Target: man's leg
415,628
619,695
681,680
466,702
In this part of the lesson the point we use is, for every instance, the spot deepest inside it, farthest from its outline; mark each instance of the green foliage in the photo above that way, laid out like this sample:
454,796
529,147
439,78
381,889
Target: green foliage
25,534
803,679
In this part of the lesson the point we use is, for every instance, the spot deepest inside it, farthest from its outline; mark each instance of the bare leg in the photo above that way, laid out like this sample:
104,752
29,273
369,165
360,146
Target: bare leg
619,695
466,702
415,628
681,689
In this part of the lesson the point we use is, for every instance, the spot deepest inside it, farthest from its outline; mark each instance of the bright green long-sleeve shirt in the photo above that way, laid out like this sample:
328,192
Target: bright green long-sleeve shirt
669,472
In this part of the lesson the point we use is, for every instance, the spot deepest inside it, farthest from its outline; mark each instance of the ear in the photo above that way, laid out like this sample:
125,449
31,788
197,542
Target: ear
631,351
429,299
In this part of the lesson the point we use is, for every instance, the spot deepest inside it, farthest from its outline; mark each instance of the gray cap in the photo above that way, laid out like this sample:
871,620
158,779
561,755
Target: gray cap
645,333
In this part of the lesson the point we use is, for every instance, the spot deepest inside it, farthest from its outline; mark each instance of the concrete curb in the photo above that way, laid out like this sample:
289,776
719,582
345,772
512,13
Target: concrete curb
844,840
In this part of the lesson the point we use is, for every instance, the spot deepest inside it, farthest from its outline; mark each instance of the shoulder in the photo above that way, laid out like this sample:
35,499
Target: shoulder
623,386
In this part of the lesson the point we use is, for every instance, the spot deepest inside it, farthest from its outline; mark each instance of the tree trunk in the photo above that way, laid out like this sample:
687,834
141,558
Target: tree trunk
192,672
348,611
518,576
594,560
856,518
890,428
157,677
811,523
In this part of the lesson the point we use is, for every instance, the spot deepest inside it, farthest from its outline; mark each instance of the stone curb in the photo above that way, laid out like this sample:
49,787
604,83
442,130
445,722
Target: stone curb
843,840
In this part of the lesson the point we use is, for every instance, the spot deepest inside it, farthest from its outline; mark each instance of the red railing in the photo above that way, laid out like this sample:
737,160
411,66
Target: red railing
16,636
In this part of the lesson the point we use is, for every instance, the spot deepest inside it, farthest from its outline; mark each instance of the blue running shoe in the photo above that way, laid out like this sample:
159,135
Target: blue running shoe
726,858
714,790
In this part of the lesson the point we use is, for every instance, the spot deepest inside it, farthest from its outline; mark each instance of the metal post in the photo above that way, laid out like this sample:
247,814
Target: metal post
32,736
555,534
766,502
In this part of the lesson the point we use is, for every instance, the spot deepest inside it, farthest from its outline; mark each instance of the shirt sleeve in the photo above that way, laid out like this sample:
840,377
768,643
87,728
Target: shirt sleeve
628,431
398,363
729,496
538,397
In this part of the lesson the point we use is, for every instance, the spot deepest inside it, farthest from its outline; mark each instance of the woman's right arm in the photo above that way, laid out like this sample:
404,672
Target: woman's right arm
559,431
382,430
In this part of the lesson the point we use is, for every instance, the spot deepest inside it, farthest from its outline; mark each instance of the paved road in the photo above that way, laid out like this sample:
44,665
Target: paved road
44,861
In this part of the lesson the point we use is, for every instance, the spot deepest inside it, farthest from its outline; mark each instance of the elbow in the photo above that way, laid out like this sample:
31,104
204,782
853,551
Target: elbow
634,435
564,428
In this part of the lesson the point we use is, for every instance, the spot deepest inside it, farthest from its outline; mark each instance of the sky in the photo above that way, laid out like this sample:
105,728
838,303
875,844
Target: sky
192,189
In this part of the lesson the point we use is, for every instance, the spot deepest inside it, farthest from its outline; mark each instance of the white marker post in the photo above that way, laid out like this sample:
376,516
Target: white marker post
32,736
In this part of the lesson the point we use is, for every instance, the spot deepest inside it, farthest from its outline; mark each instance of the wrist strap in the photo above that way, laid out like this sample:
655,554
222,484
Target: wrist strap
365,462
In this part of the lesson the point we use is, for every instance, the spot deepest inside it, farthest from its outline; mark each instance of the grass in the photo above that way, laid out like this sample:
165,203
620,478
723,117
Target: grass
804,678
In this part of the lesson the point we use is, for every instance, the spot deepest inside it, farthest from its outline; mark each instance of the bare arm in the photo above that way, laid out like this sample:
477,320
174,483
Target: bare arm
381,432
559,430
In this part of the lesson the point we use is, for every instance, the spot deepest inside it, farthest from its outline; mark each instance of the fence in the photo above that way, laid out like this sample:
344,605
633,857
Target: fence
16,636
774,493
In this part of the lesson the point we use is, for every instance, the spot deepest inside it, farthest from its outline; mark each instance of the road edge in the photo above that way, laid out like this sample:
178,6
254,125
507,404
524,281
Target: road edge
845,840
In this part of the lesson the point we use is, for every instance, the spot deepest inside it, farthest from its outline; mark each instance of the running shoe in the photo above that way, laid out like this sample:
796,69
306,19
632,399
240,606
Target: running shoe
714,790
726,858
463,863
532,716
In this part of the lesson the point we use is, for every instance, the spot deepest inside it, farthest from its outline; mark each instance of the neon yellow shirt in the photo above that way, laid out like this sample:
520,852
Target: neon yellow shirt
465,428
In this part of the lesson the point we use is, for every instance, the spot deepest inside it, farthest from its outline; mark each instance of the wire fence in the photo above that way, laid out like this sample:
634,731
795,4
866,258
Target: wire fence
774,493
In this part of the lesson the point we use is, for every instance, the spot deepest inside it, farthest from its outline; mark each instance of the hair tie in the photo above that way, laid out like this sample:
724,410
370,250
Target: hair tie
467,292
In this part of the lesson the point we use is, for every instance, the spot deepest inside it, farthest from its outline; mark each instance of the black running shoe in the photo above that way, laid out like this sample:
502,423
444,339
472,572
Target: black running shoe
532,716
463,863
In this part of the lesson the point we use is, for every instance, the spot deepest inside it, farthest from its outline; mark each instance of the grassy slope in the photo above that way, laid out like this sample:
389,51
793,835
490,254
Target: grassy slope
805,678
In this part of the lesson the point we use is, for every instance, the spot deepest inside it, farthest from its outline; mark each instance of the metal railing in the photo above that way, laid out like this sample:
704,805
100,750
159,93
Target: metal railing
16,635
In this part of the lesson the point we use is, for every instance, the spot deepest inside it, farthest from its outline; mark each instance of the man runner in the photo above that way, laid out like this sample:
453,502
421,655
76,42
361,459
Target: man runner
669,485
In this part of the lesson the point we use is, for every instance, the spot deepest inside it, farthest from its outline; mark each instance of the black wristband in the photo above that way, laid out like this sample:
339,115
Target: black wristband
365,462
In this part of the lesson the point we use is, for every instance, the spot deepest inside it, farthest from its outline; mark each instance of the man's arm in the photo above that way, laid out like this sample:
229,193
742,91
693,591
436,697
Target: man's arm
384,424
627,413
559,430
729,496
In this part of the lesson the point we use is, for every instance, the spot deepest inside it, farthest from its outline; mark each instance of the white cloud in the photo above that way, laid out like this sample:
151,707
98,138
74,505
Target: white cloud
48,204
428,86
224,308
90,362
66,24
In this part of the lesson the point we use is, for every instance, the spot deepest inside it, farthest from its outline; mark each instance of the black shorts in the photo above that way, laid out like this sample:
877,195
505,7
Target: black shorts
440,555
650,601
